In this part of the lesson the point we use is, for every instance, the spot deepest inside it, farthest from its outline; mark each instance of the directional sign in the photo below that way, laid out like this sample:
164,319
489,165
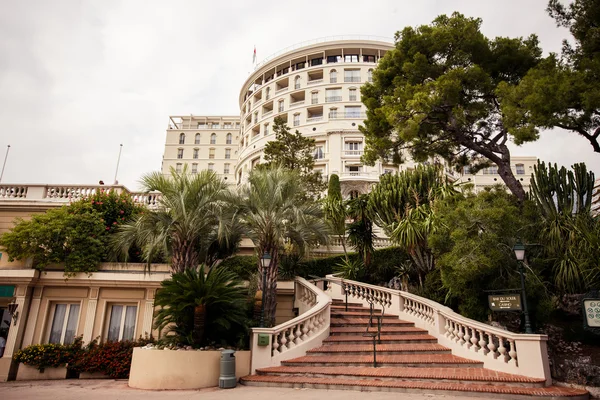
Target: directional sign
505,302
591,309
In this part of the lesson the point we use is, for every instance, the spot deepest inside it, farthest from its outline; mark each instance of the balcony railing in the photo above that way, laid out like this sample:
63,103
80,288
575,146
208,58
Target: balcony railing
266,114
346,115
314,101
331,99
297,103
283,89
315,119
353,152
315,81
352,79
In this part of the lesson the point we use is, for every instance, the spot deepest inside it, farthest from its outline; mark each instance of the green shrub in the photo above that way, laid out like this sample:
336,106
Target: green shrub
244,266
49,355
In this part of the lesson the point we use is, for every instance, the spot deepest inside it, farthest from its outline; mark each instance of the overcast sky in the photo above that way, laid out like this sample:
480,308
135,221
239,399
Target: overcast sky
77,78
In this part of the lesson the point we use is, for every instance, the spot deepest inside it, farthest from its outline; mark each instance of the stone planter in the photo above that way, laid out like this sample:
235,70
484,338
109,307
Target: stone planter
181,369
26,373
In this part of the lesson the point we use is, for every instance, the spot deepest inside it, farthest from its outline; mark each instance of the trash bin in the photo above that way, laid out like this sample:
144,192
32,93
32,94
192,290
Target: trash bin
227,378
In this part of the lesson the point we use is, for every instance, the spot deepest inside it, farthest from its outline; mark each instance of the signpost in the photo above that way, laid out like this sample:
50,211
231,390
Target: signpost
591,311
505,302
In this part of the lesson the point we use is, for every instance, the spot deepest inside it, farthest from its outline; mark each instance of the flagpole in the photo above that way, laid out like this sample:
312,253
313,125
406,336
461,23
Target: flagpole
4,164
118,161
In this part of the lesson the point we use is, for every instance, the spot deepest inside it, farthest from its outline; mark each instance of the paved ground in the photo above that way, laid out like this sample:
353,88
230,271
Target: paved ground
104,389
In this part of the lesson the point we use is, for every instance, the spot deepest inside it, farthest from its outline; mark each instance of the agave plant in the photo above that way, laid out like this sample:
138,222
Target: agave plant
198,308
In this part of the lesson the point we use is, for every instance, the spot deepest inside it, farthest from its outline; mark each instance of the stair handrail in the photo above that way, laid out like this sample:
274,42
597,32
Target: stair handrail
498,349
294,337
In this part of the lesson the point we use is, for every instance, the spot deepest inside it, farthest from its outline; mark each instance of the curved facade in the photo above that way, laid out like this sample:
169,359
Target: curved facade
316,89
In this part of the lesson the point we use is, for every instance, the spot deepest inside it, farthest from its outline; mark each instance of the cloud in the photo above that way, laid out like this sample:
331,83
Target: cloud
77,78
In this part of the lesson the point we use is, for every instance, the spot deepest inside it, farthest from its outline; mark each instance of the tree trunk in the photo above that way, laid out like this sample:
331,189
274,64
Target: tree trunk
513,184
199,323
184,256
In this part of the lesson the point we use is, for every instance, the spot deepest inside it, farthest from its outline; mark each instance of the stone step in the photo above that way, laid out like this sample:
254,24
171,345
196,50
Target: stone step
383,349
402,386
337,307
385,330
343,302
411,360
458,375
385,339
360,314
364,321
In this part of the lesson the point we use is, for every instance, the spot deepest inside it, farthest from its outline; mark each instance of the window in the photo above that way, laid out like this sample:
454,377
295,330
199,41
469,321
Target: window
354,194
352,111
297,82
64,323
182,138
201,125
213,138
333,113
227,125
334,59
256,117
227,154
352,93
122,323
228,139
300,65
333,95
237,125
333,76
226,168
214,125
493,170
351,58
314,97
211,153
194,168
280,105
296,119
267,93
195,156
211,167
178,167
520,169
466,170
179,153
319,154
388,171
354,148
197,139
316,61
369,59
352,75
370,75
353,170
266,129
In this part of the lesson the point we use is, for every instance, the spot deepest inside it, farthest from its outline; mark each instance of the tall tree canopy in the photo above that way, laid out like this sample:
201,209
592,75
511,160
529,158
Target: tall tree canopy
294,152
435,93
563,92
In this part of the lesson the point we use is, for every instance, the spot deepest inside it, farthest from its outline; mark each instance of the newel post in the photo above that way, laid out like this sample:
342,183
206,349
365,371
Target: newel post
440,323
261,355
532,357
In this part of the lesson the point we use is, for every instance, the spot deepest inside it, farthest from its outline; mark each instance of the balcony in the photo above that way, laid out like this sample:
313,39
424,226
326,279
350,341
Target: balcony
331,99
297,103
283,89
353,153
315,81
352,79
347,115
317,118
268,113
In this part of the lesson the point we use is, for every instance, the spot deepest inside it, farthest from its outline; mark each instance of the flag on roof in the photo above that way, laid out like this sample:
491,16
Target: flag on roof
254,56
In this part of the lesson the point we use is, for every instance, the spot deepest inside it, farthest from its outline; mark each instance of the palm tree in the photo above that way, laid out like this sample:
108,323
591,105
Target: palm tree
197,308
194,223
274,211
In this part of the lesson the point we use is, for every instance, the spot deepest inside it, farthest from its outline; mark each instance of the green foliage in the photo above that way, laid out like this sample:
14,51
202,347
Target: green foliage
198,308
294,152
435,94
563,92
568,234
49,355
352,269
360,230
243,266
194,223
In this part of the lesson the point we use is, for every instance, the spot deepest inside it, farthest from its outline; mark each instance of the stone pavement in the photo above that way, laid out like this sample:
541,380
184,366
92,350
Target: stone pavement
106,389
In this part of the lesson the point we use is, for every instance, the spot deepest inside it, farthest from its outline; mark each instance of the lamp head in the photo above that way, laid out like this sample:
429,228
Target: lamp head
519,249
266,260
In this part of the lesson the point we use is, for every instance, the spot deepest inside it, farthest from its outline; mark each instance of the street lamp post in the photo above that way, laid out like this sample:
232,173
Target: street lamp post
265,263
519,249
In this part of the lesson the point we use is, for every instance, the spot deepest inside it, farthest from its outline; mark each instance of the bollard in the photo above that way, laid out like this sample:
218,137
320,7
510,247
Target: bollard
227,379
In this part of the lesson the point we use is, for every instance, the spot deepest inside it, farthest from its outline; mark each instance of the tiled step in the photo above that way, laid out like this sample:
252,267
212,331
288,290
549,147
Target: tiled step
457,375
360,314
385,339
383,349
385,330
338,307
447,388
411,360
350,304
364,321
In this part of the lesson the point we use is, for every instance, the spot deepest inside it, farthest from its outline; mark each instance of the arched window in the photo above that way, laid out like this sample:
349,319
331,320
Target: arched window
354,194
297,82
333,76
370,75
197,139
182,138
180,153
213,138
228,138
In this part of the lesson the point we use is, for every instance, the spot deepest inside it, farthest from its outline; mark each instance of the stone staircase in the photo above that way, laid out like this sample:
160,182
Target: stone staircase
408,360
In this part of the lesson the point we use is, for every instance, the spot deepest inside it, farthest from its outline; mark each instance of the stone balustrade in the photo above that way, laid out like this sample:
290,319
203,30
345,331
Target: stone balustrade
68,193
498,349
294,337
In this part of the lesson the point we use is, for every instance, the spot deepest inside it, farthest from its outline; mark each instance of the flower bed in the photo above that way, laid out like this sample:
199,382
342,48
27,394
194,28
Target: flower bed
181,369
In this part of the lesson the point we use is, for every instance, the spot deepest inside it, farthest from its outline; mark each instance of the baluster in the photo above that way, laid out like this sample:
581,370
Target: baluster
447,328
461,334
512,353
455,332
482,343
467,337
492,347
304,330
276,345
282,341
298,335
502,349
291,338
474,341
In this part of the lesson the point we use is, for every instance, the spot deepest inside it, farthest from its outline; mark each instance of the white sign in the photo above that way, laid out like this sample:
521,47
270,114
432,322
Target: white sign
592,312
